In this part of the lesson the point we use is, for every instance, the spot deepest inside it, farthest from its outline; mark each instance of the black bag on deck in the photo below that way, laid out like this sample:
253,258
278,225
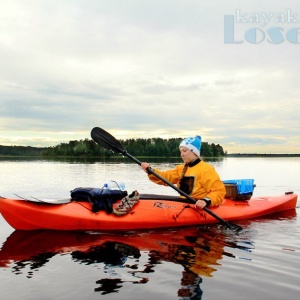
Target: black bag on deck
101,199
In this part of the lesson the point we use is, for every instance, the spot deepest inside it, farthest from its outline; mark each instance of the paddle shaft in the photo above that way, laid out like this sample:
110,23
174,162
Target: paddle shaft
182,193
105,139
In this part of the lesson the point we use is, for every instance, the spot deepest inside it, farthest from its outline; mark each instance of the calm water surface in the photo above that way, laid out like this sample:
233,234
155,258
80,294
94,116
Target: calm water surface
261,262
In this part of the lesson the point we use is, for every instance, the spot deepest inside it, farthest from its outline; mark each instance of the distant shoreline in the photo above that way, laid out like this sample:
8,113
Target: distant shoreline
151,148
148,157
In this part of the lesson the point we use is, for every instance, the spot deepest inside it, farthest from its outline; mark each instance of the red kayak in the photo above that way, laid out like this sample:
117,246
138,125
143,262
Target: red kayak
151,211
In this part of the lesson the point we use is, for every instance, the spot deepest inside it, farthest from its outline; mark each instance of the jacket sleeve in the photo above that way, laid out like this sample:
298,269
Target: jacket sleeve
172,175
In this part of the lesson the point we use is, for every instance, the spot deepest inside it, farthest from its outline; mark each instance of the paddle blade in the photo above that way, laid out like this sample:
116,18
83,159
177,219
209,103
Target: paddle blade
233,227
103,138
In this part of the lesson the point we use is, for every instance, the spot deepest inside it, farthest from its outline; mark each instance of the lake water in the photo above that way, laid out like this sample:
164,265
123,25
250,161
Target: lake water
204,262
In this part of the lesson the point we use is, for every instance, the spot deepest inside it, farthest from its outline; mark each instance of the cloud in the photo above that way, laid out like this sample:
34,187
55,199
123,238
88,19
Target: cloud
148,69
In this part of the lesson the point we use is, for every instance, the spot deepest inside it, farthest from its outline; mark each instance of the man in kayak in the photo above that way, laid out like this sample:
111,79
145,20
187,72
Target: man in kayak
195,177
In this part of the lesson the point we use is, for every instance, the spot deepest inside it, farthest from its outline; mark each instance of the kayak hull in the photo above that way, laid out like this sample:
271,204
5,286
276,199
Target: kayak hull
152,211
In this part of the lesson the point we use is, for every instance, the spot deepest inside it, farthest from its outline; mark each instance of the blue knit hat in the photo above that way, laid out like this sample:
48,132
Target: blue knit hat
192,143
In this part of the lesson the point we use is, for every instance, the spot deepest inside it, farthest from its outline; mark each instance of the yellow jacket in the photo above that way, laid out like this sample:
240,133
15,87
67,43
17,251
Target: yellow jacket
200,181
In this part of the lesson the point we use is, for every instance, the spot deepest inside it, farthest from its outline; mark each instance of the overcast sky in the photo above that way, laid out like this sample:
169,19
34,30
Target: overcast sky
226,70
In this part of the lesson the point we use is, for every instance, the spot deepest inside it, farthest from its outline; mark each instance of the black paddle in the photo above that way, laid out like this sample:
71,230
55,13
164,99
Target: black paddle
103,138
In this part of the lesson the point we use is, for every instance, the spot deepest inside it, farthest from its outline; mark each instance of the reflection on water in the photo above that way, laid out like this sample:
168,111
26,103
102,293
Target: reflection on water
199,252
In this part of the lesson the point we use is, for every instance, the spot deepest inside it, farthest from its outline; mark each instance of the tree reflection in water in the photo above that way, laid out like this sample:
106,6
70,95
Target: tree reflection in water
197,251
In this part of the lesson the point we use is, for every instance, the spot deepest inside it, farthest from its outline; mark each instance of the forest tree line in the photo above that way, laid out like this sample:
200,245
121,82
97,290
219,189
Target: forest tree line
153,147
